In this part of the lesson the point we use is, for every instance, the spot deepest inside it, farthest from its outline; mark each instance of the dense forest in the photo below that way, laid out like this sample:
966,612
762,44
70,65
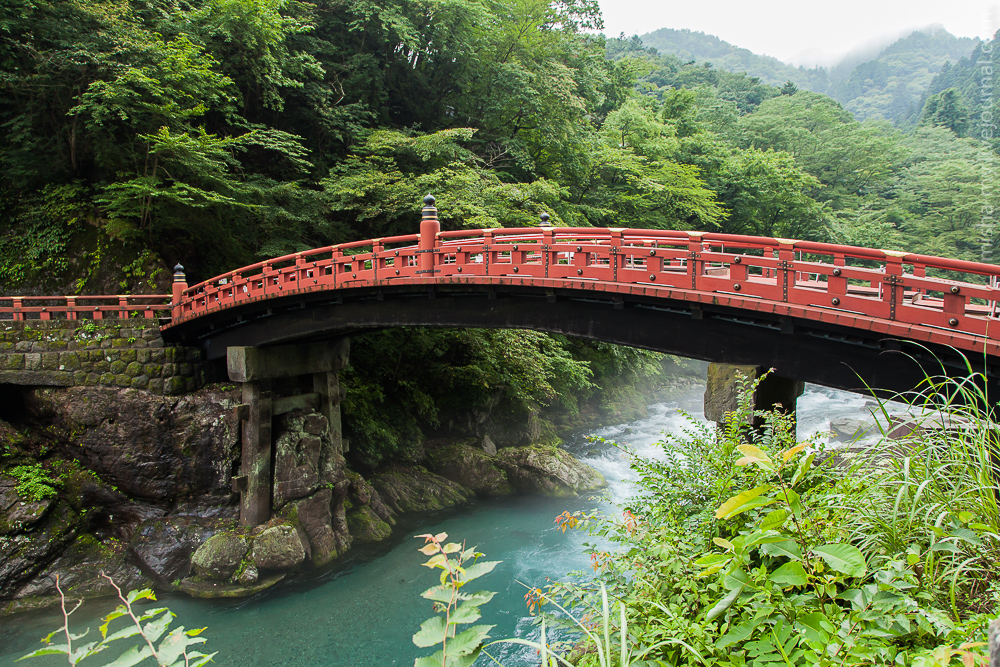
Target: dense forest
890,83
134,135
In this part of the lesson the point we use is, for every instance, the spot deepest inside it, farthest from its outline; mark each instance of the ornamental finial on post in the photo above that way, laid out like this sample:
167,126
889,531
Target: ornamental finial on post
545,220
429,228
180,284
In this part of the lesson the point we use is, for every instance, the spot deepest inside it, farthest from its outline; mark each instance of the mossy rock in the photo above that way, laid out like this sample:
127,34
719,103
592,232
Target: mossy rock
366,526
471,467
220,556
549,471
418,490
199,587
277,548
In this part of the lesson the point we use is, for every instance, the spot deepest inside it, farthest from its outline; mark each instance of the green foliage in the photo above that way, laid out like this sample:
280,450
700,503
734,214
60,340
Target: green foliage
167,649
405,382
748,552
34,482
459,567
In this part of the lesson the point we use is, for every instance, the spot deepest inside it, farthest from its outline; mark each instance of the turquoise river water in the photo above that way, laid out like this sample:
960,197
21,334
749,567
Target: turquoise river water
364,611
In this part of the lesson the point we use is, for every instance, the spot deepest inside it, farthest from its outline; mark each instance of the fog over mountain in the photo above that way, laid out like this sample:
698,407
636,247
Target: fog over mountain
884,79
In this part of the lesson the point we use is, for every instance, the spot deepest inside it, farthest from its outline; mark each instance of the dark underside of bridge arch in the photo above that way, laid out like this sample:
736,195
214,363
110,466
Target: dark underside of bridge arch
799,349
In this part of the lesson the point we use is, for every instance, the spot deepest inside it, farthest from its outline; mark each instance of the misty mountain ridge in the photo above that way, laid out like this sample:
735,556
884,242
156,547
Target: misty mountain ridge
886,80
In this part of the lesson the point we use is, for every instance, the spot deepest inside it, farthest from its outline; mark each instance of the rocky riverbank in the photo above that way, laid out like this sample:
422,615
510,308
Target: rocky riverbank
138,486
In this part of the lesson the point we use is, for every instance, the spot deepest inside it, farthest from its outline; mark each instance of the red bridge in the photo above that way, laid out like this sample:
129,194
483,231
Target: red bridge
817,312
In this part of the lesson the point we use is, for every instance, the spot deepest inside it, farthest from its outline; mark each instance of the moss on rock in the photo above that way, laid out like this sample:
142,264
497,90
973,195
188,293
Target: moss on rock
471,467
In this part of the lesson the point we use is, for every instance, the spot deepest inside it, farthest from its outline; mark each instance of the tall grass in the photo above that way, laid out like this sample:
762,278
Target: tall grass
934,493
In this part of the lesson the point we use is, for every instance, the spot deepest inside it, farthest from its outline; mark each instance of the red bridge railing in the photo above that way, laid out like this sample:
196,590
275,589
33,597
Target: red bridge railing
924,298
20,308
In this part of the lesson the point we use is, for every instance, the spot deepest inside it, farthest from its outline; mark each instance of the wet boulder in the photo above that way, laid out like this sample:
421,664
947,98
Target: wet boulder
548,471
472,467
220,556
277,548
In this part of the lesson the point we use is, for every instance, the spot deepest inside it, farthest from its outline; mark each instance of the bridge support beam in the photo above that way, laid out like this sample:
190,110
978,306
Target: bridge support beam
255,368
722,391
255,460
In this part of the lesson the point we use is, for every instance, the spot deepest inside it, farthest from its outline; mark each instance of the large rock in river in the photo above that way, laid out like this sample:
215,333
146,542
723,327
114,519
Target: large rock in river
277,548
472,467
548,471
220,556
417,490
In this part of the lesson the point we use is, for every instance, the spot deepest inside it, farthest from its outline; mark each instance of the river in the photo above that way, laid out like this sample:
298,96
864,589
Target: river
364,611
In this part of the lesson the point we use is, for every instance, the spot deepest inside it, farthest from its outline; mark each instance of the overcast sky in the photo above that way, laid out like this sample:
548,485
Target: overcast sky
799,31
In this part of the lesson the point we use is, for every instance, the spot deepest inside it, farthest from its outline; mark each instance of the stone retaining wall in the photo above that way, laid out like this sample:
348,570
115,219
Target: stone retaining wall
111,353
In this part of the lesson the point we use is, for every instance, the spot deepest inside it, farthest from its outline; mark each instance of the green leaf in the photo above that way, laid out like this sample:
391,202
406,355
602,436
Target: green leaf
801,470
856,597
434,660
734,580
722,605
816,627
60,649
431,633
174,644
790,574
787,548
469,640
774,520
133,656
118,613
843,558
477,598
438,594
712,559
155,629
736,635
743,502
477,570
467,613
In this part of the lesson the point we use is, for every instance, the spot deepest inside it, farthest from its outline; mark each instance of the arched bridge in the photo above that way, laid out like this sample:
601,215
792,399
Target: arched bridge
835,315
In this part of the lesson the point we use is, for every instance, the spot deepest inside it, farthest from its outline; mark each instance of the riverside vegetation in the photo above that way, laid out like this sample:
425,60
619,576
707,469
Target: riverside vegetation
747,548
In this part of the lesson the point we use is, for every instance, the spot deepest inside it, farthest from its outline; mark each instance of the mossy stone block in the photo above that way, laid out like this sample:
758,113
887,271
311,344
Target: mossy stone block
140,382
118,367
133,369
50,361
155,386
173,386
80,378
12,362
69,361
107,379
142,356
128,356
153,370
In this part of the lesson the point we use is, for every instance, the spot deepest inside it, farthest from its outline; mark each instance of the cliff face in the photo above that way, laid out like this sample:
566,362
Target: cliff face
119,480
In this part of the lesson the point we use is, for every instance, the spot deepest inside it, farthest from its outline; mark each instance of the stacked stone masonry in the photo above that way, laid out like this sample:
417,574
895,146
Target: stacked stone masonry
110,353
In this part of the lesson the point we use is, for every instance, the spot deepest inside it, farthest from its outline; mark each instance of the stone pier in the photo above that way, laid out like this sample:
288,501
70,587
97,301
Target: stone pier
256,368
722,391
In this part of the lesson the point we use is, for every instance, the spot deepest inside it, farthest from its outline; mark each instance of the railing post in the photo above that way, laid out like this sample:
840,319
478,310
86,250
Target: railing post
695,247
786,264
18,315
548,256
71,308
429,228
180,284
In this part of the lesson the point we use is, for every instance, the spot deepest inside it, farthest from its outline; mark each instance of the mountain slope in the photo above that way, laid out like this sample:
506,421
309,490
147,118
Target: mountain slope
890,85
